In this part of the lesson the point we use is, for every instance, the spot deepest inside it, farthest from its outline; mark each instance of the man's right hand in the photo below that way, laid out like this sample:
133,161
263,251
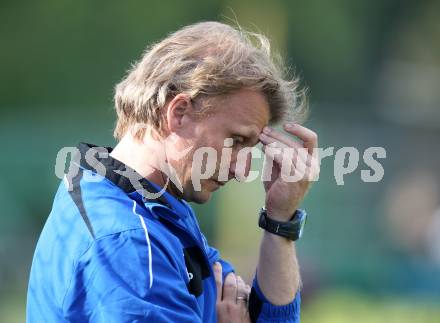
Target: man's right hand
232,297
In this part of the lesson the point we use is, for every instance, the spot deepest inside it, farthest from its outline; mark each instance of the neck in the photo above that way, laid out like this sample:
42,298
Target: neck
142,158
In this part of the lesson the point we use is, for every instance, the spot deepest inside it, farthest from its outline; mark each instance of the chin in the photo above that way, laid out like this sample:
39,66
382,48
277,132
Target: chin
200,197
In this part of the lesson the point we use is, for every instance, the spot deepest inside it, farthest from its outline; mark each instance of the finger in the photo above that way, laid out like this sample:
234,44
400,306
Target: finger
288,165
277,154
230,288
281,137
272,142
301,152
218,279
243,292
283,154
312,171
241,288
271,169
309,137
265,138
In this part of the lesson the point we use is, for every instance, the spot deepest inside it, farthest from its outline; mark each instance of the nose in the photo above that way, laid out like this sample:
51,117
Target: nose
240,167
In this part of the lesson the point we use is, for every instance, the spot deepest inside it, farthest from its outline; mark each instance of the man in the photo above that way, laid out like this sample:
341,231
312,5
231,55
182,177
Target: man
123,245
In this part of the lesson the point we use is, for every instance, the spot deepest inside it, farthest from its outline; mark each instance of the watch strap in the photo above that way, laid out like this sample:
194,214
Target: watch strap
291,229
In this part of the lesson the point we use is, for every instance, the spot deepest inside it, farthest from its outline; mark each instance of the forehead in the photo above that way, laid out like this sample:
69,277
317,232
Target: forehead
244,110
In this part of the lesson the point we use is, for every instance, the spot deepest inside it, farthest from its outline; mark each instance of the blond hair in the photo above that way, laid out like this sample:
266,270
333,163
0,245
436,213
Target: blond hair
206,59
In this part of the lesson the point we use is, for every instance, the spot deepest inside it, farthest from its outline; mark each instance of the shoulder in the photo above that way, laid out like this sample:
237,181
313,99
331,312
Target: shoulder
102,214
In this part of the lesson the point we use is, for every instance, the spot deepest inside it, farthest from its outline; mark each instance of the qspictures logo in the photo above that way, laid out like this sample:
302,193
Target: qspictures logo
292,164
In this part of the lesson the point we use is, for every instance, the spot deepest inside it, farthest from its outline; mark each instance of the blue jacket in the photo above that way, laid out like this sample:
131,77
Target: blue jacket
108,255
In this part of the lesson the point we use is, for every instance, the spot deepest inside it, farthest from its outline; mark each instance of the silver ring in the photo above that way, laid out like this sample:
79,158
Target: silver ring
242,298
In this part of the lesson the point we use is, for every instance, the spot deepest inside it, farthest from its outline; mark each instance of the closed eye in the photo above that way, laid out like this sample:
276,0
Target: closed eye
238,140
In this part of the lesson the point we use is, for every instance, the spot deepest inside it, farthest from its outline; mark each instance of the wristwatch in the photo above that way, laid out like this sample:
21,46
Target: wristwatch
291,229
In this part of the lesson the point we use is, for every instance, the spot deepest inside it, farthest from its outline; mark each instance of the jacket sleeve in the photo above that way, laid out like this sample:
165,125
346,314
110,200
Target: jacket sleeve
261,310
125,277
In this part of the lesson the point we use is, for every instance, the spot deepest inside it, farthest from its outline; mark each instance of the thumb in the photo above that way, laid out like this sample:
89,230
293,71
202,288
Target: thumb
217,268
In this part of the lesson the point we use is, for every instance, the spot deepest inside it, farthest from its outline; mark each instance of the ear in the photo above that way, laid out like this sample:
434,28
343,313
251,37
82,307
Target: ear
178,112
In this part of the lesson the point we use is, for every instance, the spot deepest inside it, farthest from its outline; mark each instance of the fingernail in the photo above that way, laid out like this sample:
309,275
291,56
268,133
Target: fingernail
266,130
289,125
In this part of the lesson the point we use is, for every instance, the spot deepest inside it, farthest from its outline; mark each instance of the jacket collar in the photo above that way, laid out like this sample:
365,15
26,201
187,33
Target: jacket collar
92,157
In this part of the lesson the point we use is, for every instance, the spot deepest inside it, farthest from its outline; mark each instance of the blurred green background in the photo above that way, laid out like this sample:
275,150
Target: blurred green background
371,251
